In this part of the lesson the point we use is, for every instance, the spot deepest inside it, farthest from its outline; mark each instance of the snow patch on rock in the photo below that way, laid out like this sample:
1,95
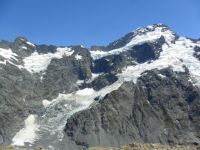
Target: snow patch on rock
8,55
39,62
46,103
24,47
93,77
28,133
78,57
30,44
79,82
161,75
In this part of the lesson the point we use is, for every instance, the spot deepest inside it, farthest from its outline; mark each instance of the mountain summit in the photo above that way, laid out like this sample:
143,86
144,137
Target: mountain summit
142,88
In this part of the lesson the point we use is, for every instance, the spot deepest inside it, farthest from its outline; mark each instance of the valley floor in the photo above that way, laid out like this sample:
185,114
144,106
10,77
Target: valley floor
150,147
135,146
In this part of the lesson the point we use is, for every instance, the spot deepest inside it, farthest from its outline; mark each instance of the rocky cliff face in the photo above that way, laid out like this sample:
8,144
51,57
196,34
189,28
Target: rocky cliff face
154,110
141,88
31,74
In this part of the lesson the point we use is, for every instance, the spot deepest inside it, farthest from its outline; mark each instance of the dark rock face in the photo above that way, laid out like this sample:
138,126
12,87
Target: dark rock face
147,51
103,80
139,53
46,49
15,85
155,110
113,63
121,42
197,52
95,47
18,44
63,73
128,37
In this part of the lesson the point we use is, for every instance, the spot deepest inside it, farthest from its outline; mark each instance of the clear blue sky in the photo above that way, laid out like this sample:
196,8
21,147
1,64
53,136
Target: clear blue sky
89,22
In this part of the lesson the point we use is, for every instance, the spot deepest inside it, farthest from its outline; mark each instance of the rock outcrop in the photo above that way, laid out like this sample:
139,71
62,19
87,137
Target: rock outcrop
154,110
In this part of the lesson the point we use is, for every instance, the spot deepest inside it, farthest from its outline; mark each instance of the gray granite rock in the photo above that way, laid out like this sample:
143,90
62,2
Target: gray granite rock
155,110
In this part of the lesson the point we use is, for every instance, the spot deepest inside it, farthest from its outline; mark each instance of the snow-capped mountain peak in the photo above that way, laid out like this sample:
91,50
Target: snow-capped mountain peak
142,30
148,34
153,27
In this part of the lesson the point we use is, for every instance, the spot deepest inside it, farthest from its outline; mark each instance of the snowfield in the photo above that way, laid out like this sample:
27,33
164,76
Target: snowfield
28,133
39,62
175,56
85,92
8,56
137,39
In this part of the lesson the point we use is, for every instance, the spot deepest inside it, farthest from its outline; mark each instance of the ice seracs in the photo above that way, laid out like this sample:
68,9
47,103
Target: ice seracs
65,105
